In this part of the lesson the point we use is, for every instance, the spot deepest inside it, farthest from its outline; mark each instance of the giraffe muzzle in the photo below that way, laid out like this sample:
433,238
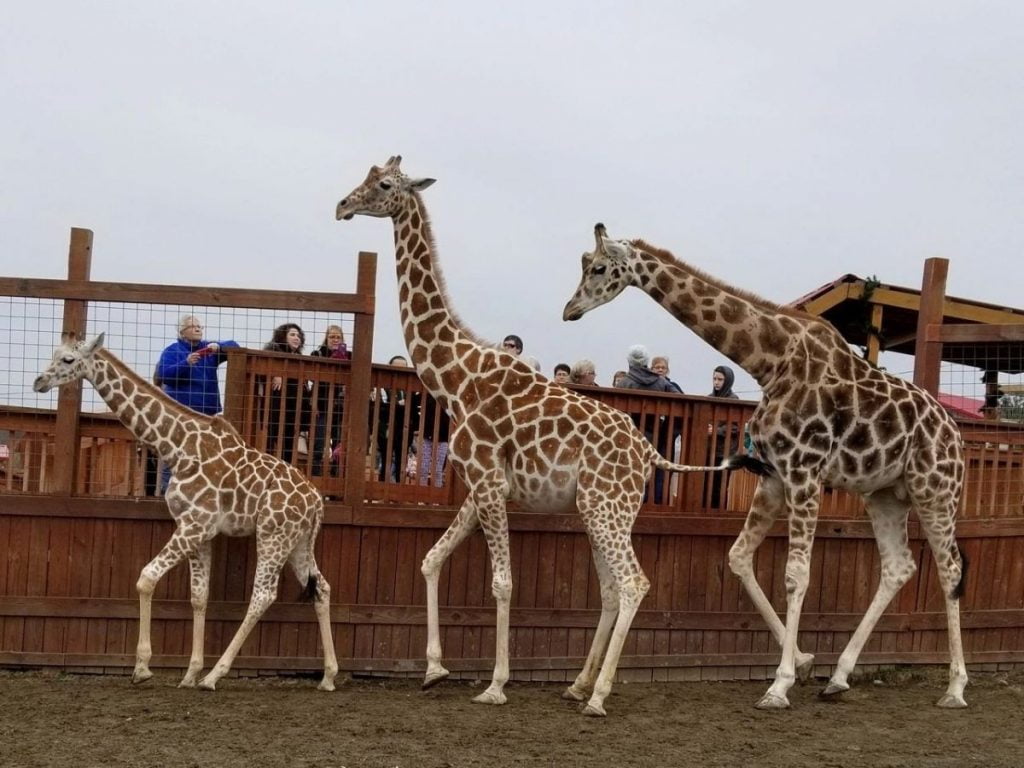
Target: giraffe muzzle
41,385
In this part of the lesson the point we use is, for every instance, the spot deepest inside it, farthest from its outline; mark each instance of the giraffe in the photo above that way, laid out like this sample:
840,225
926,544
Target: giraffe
827,418
219,485
518,437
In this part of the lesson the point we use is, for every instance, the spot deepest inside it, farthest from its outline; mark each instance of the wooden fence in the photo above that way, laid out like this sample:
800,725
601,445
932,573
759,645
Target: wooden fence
72,546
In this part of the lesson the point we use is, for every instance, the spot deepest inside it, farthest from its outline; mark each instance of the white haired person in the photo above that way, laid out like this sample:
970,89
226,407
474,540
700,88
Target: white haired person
187,371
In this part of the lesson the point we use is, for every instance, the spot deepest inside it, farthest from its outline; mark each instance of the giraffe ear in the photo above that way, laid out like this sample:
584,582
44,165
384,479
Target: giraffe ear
94,344
420,184
616,249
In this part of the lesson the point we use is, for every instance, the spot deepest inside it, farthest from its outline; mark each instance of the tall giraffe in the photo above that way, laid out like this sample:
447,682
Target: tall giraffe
827,418
218,485
518,437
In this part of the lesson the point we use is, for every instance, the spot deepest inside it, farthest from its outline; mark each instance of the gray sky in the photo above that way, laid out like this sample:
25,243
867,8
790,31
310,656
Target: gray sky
774,145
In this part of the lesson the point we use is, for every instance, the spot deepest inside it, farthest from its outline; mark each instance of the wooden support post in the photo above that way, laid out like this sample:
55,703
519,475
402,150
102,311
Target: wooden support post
874,343
928,354
991,381
357,399
69,399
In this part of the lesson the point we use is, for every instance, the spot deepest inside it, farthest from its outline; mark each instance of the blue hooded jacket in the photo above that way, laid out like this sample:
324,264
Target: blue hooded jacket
192,385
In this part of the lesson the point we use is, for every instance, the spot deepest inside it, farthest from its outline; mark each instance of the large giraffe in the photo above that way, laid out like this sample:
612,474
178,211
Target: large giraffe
518,437
827,418
218,485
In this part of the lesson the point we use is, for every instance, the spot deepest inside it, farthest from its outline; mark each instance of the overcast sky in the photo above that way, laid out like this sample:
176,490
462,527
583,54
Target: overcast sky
775,145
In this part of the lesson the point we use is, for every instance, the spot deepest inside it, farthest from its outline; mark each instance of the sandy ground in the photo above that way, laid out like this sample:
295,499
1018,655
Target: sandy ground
50,719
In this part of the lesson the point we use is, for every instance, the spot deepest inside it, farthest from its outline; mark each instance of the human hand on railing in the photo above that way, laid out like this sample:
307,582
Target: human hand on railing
275,383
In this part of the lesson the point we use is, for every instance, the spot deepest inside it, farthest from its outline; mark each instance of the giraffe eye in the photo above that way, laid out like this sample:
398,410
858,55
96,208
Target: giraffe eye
67,359
385,185
600,269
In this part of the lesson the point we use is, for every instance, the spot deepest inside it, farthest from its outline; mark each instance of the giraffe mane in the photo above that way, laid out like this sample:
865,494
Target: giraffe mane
442,285
749,296
152,389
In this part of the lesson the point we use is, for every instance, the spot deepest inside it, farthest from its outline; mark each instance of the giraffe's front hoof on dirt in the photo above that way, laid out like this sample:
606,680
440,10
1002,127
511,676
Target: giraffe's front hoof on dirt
572,693
141,675
206,684
326,685
949,701
188,682
490,697
593,710
771,701
834,689
433,678
804,666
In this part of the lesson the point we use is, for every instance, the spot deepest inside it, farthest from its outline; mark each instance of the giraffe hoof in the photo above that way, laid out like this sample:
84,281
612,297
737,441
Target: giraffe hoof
805,666
207,685
188,682
141,676
490,697
574,694
433,678
593,710
771,701
833,689
326,685
949,701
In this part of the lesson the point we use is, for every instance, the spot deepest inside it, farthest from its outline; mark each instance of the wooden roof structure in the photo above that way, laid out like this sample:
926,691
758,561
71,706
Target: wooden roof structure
884,318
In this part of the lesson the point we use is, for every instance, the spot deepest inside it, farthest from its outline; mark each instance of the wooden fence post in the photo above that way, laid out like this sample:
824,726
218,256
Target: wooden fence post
928,354
357,399
69,398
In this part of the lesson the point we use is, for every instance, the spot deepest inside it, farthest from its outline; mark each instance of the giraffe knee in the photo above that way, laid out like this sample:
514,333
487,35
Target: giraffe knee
741,561
501,588
146,584
797,575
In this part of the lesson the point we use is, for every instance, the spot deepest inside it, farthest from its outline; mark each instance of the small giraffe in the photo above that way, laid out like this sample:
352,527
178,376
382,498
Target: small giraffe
827,418
218,485
518,437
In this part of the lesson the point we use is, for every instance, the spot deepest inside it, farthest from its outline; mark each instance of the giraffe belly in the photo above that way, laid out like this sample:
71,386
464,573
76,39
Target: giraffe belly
550,494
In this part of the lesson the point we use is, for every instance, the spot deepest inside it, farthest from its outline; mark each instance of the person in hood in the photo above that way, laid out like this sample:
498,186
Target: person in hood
721,382
726,440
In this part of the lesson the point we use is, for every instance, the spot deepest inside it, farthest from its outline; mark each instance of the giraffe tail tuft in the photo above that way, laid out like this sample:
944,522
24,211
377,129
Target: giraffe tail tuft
961,586
309,593
749,463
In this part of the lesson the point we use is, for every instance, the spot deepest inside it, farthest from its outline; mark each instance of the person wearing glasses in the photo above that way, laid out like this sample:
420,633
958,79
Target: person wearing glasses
514,345
187,372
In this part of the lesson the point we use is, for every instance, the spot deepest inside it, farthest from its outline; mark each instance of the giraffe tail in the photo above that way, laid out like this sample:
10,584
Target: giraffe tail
739,461
961,586
309,593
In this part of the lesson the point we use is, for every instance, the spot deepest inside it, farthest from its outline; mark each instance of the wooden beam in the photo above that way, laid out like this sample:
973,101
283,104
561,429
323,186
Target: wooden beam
822,304
82,290
973,333
874,343
928,355
359,395
69,398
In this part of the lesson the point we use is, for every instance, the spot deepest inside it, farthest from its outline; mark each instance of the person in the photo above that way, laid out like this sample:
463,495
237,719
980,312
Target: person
583,372
659,365
562,373
640,376
335,348
434,453
392,417
726,439
514,344
617,378
288,338
187,372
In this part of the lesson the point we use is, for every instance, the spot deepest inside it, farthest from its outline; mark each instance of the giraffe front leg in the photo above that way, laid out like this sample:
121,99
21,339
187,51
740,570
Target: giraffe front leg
465,523
494,521
199,568
768,504
171,554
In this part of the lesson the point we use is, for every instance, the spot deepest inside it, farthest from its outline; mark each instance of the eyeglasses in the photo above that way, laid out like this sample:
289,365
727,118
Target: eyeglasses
192,328
509,344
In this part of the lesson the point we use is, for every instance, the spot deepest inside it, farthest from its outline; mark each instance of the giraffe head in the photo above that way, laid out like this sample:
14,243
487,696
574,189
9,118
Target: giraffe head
606,272
383,192
72,360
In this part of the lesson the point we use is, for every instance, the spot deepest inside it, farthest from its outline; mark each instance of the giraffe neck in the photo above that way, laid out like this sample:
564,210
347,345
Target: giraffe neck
752,333
148,412
431,331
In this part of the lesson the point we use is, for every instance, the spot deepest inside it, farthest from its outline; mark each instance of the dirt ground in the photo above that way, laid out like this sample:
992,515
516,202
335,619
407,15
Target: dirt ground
49,719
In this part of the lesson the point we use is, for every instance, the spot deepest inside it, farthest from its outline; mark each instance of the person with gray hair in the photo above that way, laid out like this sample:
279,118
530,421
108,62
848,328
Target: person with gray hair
187,371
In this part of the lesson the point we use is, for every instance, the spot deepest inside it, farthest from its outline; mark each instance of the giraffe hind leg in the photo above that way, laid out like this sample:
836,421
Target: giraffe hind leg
584,683
317,589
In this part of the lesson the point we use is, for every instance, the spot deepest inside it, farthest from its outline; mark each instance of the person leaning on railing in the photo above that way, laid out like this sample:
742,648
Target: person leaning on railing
289,338
335,348
187,372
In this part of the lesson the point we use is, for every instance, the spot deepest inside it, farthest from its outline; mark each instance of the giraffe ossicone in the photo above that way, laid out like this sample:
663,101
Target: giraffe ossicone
218,485
827,419
518,437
